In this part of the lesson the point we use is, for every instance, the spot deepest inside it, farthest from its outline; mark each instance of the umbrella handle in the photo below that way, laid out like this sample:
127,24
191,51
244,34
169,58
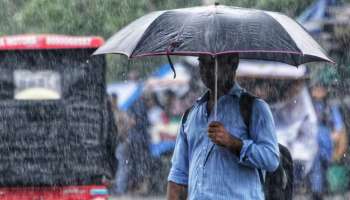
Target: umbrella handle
171,65
216,89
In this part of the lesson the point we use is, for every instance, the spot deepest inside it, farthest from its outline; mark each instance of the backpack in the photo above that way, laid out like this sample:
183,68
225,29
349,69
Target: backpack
278,185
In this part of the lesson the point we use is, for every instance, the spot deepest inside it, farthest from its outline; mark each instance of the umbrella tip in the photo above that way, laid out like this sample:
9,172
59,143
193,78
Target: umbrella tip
216,3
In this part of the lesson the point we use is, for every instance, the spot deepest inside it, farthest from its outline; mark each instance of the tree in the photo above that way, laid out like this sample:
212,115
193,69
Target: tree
9,10
79,17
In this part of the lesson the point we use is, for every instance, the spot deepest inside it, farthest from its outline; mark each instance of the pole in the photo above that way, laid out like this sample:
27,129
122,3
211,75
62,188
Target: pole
216,89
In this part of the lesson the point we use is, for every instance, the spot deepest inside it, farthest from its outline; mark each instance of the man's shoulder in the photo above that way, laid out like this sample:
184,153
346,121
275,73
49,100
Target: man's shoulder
261,106
187,112
256,100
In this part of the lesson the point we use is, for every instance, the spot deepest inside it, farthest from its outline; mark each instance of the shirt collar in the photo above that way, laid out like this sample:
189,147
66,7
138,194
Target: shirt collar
235,90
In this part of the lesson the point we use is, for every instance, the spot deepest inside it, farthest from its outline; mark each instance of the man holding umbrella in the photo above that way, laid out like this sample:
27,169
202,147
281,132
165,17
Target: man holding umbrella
219,159
214,156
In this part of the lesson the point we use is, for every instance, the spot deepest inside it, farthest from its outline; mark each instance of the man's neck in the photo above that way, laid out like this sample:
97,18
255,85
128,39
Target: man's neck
221,91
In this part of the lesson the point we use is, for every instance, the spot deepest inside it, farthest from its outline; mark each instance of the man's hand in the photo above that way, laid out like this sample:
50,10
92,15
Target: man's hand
220,136
176,191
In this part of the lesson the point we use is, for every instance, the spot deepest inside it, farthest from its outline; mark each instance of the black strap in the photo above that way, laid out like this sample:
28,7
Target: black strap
246,108
246,102
184,117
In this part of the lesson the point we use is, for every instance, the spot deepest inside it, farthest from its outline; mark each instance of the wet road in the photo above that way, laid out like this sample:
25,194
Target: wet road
299,197
138,198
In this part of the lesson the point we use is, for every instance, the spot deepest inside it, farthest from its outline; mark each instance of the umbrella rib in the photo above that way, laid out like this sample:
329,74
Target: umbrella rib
196,53
216,32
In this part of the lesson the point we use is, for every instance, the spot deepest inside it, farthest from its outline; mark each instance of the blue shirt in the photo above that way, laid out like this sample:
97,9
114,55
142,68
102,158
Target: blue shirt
214,172
329,119
331,113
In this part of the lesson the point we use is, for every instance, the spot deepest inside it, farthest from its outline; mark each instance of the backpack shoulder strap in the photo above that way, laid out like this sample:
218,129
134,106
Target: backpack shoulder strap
185,115
246,107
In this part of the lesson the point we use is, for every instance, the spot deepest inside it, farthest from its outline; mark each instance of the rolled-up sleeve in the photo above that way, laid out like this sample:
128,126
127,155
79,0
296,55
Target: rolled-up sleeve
179,162
260,150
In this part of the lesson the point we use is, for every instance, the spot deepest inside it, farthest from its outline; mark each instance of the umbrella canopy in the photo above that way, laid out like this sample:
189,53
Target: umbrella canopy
215,30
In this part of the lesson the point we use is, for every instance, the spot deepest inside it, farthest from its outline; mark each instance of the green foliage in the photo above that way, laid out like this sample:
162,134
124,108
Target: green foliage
9,9
290,7
324,75
79,17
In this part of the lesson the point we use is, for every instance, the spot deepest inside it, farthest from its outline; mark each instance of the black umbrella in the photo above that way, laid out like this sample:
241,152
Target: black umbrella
215,30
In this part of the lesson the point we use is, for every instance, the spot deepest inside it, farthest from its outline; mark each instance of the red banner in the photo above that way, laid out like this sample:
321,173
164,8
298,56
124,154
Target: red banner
22,42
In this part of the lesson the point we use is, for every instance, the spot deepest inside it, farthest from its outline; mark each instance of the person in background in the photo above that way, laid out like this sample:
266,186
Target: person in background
133,75
171,104
124,123
155,112
139,142
332,139
295,121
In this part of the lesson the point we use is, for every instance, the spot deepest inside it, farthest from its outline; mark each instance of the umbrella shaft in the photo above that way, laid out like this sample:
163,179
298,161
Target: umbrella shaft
216,89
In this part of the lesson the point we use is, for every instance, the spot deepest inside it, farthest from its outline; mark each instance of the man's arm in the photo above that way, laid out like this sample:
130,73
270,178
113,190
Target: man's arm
261,151
176,191
178,175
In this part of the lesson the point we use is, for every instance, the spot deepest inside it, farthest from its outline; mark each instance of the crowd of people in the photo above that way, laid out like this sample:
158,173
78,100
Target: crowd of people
312,124
152,119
